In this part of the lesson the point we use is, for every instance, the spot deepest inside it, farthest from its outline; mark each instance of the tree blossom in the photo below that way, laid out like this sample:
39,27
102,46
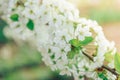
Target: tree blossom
61,35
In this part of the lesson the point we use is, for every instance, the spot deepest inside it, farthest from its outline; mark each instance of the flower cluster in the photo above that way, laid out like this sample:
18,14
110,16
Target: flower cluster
62,37
3,5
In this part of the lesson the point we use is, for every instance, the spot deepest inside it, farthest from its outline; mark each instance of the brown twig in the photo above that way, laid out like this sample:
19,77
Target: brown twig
103,66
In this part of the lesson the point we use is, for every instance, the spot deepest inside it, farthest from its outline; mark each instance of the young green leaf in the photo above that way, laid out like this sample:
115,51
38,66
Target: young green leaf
109,57
86,41
70,54
73,52
14,17
118,77
76,45
30,24
117,62
74,42
102,76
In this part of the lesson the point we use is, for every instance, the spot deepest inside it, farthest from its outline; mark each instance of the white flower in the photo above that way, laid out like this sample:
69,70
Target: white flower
82,32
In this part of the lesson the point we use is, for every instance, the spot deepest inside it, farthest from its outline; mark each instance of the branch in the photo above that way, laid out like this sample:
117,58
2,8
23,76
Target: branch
103,66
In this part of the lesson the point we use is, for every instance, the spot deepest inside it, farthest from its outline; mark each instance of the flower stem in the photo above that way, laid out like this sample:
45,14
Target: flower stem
103,66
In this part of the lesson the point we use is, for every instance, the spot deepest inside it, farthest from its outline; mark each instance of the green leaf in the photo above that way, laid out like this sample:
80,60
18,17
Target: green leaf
109,57
14,17
102,76
86,41
76,45
73,52
70,54
117,62
30,24
74,42
118,77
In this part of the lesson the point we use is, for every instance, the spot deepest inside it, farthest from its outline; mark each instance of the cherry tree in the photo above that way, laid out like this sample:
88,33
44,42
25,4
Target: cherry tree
73,45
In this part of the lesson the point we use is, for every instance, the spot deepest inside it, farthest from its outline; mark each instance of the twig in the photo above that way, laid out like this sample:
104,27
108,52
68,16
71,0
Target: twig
111,70
103,66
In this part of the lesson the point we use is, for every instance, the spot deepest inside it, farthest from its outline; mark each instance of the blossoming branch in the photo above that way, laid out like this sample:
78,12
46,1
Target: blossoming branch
69,43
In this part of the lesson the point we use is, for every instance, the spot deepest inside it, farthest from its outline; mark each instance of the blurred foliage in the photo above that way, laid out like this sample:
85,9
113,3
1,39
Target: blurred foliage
26,64
104,16
24,56
2,37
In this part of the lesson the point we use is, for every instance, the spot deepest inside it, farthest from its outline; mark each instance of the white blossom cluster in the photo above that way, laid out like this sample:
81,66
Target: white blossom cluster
3,6
56,29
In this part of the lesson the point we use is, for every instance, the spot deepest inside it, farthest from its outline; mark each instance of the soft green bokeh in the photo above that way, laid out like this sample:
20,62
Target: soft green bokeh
104,16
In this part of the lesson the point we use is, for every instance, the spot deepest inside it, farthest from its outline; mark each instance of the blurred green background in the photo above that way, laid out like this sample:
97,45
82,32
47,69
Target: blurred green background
21,62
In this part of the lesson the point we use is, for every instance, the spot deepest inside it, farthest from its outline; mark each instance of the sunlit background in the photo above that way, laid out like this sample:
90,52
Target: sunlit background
24,63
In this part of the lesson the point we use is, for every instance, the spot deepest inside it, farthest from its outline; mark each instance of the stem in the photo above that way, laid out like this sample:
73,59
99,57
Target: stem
103,66
111,70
